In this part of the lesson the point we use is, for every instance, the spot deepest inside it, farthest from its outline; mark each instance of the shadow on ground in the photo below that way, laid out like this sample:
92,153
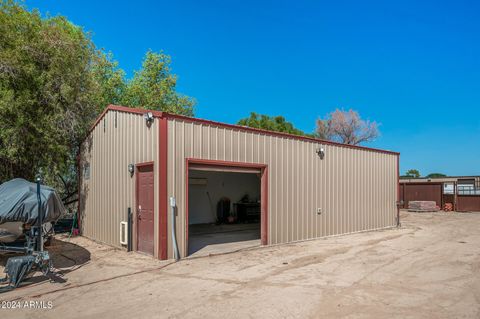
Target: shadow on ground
66,257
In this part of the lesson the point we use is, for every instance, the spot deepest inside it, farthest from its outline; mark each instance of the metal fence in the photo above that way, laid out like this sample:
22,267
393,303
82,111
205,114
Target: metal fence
467,190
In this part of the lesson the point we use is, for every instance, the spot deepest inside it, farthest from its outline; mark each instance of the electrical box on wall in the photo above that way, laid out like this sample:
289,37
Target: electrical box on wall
123,233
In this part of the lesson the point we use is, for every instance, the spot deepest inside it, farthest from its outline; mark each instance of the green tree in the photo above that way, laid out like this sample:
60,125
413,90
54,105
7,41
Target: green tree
436,175
154,86
46,92
109,85
271,123
412,173
53,84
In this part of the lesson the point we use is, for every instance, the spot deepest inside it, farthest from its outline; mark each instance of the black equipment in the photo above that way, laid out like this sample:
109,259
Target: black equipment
17,204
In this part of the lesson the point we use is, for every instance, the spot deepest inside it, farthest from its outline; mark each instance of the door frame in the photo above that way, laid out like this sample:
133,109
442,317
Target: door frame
234,165
138,165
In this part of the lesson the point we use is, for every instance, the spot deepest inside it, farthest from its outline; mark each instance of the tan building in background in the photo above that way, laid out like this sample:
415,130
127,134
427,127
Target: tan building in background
306,188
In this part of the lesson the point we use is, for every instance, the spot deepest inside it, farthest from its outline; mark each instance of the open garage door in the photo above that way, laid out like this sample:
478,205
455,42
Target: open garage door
226,207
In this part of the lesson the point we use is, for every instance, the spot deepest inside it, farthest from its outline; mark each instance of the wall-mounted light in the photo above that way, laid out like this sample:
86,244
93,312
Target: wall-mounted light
321,152
131,169
148,118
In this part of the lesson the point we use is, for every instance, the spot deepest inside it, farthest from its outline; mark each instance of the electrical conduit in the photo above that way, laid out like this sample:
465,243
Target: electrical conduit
176,253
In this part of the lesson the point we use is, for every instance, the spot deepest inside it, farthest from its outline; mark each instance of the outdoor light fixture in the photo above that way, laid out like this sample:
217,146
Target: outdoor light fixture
321,152
131,169
148,118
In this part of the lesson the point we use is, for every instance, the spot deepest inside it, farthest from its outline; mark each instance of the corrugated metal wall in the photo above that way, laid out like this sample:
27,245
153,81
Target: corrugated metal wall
421,191
356,189
119,139
468,203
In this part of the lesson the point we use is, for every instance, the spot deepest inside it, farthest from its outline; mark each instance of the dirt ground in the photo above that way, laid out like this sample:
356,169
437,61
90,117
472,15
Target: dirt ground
429,268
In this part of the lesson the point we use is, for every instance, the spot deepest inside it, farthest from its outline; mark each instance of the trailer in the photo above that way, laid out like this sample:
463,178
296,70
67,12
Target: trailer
30,208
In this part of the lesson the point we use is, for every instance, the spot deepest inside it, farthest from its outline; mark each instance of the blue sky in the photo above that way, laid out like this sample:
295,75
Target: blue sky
412,66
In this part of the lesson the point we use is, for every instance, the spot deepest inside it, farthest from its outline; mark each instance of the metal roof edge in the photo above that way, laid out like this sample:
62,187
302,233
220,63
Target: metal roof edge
161,114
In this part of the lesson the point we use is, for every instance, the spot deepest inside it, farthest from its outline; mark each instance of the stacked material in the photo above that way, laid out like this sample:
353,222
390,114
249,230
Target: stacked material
448,207
422,206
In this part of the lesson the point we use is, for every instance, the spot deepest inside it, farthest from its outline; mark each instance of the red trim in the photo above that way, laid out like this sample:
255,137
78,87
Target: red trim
123,109
232,126
225,164
163,189
264,206
187,170
273,133
145,164
136,199
135,110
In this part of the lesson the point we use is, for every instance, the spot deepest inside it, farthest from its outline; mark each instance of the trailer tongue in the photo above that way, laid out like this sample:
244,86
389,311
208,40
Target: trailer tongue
21,201
19,267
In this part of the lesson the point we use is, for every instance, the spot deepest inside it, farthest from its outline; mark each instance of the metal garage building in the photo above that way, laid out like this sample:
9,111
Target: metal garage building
293,188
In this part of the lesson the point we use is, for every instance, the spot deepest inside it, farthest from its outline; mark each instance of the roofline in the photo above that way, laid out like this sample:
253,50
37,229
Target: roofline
460,176
160,114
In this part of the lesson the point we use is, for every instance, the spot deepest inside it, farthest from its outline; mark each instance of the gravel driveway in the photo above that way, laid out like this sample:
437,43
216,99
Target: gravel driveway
429,268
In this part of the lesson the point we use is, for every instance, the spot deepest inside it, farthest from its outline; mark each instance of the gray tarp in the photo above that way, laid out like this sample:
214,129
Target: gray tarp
18,202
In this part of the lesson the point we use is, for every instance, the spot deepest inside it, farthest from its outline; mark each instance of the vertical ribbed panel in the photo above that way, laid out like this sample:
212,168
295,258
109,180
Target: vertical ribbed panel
110,190
356,189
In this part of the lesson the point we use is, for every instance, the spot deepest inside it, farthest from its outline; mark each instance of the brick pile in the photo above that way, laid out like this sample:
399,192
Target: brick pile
423,206
448,207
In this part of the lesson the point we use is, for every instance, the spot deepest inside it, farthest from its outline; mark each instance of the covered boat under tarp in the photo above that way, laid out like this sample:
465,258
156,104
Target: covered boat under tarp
25,228
18,203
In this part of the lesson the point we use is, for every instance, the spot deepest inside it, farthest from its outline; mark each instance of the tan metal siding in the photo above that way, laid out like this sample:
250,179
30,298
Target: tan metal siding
109,149
355,188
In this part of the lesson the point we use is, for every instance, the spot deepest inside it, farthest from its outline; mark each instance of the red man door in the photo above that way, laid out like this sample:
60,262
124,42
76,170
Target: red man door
145,204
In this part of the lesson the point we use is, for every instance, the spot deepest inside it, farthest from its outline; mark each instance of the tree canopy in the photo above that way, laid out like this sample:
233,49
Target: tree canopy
436,175
54,82
154,87
47,95
271,123
346,127
412,173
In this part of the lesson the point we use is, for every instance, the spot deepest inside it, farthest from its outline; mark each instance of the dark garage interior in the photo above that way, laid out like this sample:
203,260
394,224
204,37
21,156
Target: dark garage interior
224,211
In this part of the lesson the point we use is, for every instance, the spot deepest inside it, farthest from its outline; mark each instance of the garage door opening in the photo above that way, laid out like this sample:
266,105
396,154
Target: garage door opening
225,208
